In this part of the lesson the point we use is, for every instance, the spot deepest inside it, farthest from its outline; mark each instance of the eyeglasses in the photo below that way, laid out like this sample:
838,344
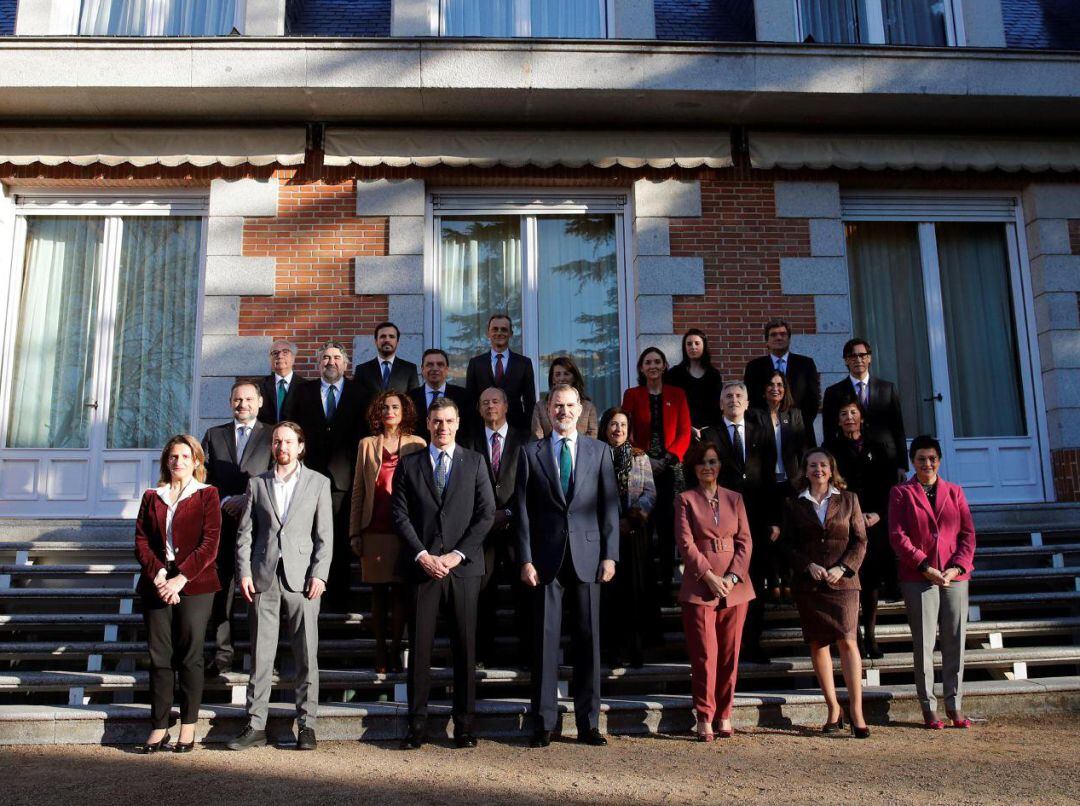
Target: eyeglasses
859,356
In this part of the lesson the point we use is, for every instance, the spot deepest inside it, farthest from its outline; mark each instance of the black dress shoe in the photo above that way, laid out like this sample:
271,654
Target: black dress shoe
155,747
305,740
249,737
873,651
540,738
465,740
184,747
412,741
592,736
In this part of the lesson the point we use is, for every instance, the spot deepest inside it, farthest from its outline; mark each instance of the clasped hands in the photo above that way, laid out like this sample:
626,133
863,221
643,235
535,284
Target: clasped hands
720,586
168,590
437,567
941,578
830,576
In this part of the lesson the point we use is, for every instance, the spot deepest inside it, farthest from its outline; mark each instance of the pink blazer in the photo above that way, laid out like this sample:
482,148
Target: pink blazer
723,548
945,535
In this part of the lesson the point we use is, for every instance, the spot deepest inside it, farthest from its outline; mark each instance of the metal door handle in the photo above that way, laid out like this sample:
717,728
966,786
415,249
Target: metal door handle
91,405
936,397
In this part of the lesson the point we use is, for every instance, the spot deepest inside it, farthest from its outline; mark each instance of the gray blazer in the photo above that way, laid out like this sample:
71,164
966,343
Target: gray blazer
304,541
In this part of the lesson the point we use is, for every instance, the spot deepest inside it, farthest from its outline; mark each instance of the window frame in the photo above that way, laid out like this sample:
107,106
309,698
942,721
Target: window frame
68,17
522,21
875,18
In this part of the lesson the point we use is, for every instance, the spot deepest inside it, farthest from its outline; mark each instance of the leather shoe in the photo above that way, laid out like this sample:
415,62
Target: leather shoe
412,741
305,740
465,740
540,738
592,736
249,737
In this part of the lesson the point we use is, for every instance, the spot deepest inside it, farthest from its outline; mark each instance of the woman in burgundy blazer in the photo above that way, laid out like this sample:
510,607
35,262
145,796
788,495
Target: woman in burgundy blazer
176,542
933,535
713,537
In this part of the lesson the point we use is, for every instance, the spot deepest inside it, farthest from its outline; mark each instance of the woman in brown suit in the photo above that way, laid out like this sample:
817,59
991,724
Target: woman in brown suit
713,538
392,417
824,537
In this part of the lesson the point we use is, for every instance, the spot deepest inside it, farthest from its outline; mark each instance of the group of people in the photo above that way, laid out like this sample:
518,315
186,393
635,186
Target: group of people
443,490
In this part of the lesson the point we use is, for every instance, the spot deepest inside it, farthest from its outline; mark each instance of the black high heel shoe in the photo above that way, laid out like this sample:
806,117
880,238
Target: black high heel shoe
184,747
153,747
833,727
860,733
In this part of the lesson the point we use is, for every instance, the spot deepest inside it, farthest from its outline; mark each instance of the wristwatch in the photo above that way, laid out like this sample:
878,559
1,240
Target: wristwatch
735,577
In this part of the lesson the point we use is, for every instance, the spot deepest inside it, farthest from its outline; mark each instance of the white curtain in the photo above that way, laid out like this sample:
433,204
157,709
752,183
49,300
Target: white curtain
914,22
154,341
568,19
833,21
578,300
479,18
480,274
57,334
157,17
537,18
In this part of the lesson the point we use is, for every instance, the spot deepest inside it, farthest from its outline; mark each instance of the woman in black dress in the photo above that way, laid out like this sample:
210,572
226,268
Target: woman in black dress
699,379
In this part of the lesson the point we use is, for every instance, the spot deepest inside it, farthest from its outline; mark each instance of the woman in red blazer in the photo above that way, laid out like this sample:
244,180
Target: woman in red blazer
933,535
660,425
176,543
713,537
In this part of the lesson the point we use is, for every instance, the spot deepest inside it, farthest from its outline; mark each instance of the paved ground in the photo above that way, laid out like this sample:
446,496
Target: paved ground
1032,762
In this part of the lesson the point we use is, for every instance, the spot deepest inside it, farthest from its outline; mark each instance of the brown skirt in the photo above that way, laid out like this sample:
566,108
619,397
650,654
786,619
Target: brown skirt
378,563
828,615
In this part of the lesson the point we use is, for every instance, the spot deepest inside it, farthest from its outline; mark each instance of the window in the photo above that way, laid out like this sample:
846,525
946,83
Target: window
556,267
556,19
893,22
159,17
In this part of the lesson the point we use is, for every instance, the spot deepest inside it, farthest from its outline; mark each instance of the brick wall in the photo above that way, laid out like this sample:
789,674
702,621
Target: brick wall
1066,469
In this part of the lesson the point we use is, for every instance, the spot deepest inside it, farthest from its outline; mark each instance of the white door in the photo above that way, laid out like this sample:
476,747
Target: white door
942,303
100,345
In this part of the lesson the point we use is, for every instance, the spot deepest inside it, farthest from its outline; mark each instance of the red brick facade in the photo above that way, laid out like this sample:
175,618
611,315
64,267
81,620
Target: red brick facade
1066,469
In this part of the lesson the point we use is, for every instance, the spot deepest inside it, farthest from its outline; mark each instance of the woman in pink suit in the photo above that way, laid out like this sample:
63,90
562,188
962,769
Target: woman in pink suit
933,535
713,537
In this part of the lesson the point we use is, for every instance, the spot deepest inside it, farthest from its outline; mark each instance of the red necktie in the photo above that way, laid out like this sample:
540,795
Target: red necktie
496,452
499,371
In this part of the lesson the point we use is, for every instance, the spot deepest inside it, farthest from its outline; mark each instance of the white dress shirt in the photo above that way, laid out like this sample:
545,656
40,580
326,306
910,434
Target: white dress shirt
730,426
338,385
192,487
556,448
822,509
865,381
502,432
283,489
279,378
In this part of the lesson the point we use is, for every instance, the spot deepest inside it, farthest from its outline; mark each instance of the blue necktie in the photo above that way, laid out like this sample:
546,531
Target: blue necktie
566,466
385,374
781,366
331,403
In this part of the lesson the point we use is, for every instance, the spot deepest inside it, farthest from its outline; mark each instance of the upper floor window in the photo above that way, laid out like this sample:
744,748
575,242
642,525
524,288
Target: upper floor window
892,22
556,19
158,17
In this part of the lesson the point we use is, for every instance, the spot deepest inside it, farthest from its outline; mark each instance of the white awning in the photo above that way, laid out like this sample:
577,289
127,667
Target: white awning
169,147
458,147
927,152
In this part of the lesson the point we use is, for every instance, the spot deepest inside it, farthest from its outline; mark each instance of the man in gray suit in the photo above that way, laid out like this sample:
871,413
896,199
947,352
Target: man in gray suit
568,542
283,552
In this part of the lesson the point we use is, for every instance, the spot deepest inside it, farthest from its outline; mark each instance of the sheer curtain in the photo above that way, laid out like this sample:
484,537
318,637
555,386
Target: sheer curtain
889,311
57,334
154,340
480,274
479,18
157,17
539,18
914,22
980,334
578,300
568,19
834,21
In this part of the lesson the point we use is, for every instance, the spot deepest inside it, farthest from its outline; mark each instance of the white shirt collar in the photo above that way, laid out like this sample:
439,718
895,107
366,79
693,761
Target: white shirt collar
778,358
440,389
237,424
806,494
290,479
433,452
286,378
855,380
192,487
338,384
728,423
380,360
572,436
501,432
504,353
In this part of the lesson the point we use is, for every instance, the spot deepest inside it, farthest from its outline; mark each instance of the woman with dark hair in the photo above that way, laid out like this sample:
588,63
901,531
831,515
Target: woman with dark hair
627,616
824,537
933,535
870,474
698,379
660,425
391,418
177,532
563,370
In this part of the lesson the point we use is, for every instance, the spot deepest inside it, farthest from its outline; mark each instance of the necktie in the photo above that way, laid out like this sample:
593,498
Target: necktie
281,390
241,440
440,473
434,394
331,403
500,372
737,443
496,452
385,374
566,466
860,390
781,365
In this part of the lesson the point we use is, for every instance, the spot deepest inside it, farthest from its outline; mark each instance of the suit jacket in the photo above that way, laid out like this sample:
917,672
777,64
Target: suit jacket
268,390
458,521
840,540
503,484
585,522
753,476
369,458
884,417
869,473
795,439
803,381
196,531
466,404
227,472
404,376
723,548
302,541
588,424
518,383
331,446
676,418
944,535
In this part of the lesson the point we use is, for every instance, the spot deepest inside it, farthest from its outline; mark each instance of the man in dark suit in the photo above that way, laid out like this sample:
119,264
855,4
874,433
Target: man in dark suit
442,508
387,371
435,367
281,387
747,450
568,542
505,369
235,452
331,413
883,417
800,370
500,445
